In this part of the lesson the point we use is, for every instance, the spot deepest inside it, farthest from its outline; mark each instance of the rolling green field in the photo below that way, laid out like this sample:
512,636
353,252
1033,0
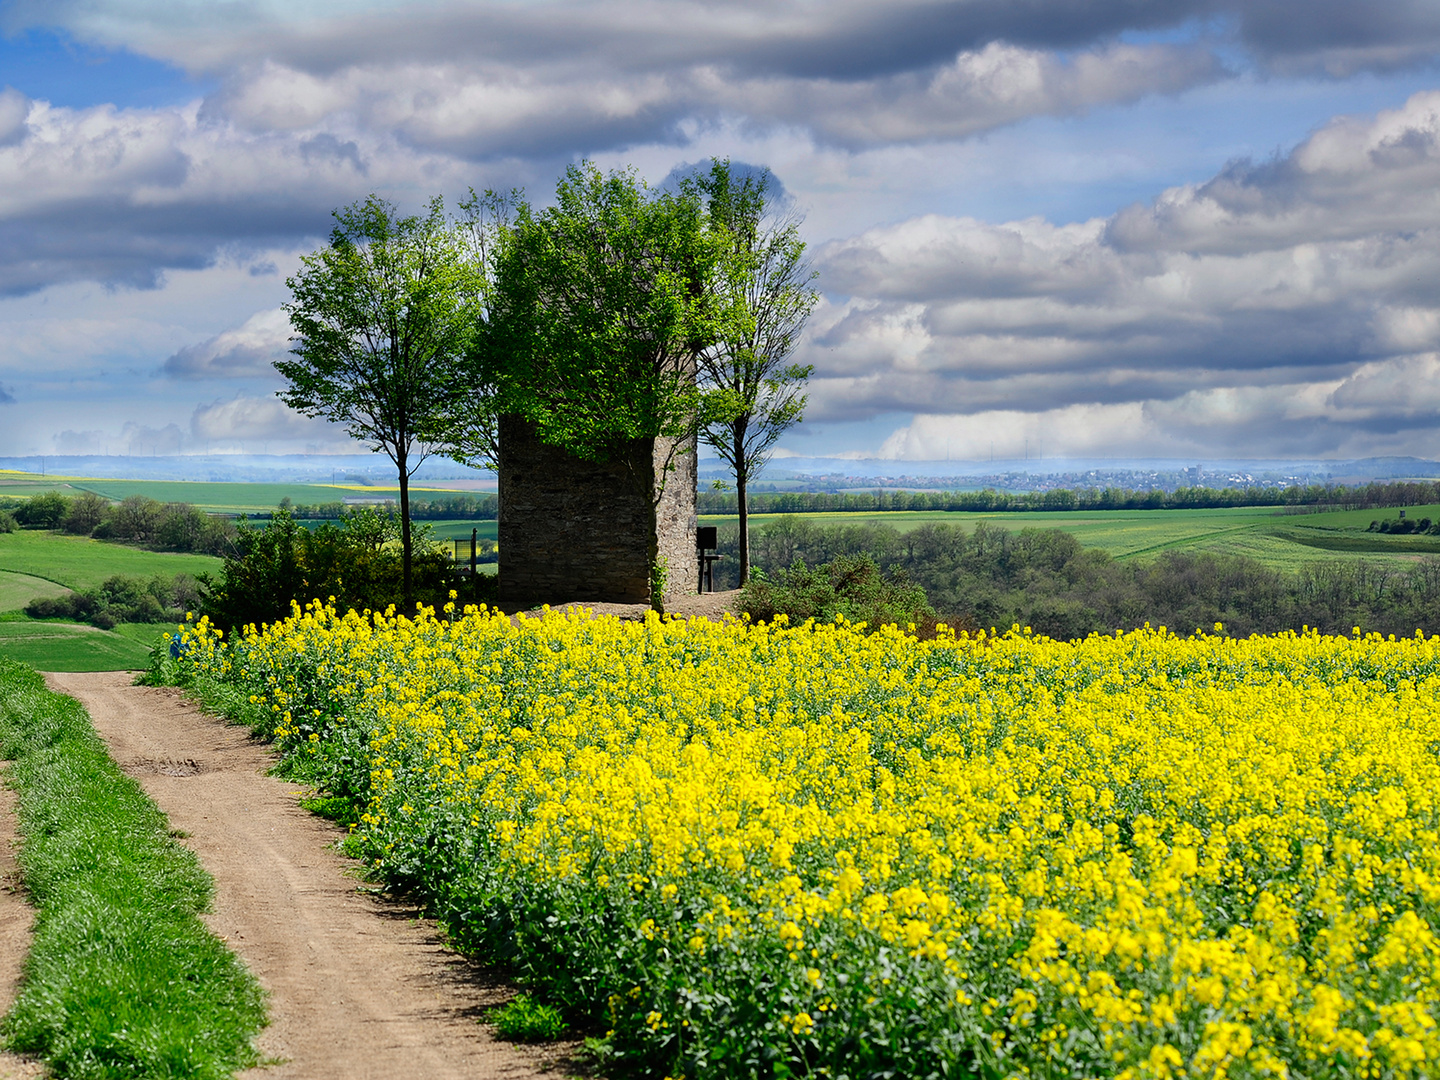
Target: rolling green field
213,497
63,646
17,590
34,564
1122,533
1280,540
219,498
448,531
79,563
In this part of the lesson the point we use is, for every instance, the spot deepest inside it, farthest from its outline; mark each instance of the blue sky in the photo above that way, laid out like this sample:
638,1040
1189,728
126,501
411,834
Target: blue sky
1182,228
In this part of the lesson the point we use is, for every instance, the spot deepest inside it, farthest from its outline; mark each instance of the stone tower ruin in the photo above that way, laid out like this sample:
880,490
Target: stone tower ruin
571,529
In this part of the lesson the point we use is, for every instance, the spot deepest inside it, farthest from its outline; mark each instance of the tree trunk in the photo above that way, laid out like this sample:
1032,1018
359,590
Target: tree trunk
742,471
401,461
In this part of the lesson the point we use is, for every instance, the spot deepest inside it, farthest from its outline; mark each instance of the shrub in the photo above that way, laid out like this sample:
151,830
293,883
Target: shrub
851,587
1045,579
356,561
8,524
121,599
136,518
84,513
43,511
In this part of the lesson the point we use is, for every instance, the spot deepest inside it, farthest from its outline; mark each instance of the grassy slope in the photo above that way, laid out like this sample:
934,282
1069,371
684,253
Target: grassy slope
1360,519
123,978
221,497
79,563
460,530
1282,541
49,645
22,486
44,564
211,496
17,590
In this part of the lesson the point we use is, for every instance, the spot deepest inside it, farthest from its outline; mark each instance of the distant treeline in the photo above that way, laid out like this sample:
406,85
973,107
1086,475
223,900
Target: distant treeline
1043,578
1310,497
444,508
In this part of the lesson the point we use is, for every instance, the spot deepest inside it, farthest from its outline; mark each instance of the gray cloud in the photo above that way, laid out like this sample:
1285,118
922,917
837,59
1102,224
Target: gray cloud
70,441
7,397
248,351
851,41
120,196
14,109
253,419
1338,37
320,103
1292,299
486,80
134,438
326,147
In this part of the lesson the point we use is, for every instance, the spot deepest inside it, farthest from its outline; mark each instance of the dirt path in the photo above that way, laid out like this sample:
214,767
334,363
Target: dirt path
359,987
16,916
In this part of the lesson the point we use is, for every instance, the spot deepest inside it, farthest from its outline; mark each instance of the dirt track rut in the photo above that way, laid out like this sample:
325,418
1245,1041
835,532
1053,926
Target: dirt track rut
359,987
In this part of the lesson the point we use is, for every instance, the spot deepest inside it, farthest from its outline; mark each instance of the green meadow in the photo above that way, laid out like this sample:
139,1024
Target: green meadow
1122,533
448,531
1284,541
51,645
76,562
17,590
36,564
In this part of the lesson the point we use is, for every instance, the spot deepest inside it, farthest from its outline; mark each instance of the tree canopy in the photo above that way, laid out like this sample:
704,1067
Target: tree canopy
383,318
600,307
762,293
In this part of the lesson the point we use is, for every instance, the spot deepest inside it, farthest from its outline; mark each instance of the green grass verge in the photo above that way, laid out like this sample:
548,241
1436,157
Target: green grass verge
123,979
522,1019
80,563
65,646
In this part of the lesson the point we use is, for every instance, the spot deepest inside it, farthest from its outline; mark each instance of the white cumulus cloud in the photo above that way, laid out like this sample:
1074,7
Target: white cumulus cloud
1297,300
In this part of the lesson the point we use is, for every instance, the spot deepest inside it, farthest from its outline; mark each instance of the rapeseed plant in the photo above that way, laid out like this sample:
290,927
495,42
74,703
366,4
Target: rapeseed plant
743,850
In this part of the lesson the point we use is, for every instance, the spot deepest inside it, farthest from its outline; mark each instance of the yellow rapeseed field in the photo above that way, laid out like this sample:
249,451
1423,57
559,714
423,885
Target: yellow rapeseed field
738,850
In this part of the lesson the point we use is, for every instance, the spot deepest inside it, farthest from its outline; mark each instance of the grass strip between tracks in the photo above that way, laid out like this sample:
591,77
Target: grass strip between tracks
123,979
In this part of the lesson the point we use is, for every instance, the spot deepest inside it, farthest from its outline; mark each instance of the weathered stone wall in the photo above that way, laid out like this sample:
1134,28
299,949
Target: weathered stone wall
675,515
580,530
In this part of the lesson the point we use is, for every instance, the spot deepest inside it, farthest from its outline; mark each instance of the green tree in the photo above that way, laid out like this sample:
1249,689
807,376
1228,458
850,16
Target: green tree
751,392
600,308
383,317
472,433
599,312
43,511
84,513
